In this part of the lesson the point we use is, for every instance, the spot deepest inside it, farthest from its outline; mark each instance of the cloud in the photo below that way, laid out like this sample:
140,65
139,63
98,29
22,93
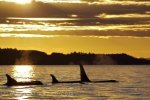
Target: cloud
124,16
90,17
26,35
81,9
122,2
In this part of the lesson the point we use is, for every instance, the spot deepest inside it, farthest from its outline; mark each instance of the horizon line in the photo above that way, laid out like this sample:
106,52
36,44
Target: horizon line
73,52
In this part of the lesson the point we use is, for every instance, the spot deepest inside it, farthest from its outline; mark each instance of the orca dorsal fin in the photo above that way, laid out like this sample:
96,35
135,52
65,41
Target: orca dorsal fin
83,76
54,80
10,80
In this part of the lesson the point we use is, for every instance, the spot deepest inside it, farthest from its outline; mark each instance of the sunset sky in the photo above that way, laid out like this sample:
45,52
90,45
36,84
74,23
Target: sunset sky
96,26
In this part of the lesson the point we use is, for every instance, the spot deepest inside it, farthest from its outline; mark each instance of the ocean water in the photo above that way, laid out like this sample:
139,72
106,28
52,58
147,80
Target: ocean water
134,83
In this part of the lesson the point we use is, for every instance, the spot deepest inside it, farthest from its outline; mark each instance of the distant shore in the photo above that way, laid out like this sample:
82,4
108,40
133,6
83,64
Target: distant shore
33,57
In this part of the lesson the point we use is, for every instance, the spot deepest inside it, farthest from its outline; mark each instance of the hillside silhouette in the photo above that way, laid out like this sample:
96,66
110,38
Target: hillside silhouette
32,57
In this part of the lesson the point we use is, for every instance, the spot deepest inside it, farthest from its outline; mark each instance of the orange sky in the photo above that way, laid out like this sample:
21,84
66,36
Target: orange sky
98,26
138,47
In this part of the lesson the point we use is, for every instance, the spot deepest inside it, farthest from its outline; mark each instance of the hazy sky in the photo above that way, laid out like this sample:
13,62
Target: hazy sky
99,26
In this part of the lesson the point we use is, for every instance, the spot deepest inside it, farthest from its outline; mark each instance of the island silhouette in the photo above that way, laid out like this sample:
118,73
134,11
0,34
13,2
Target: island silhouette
33,57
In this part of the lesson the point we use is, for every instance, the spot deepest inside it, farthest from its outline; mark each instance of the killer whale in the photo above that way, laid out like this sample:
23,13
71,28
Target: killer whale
83,75
83,78
54,80
12,82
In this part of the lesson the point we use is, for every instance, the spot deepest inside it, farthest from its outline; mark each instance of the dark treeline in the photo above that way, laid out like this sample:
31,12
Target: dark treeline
32,57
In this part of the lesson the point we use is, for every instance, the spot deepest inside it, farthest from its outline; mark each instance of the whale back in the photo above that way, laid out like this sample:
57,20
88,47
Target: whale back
83,75
54,80
10,80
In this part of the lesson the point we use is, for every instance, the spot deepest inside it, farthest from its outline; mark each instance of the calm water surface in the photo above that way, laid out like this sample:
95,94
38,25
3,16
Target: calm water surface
134,83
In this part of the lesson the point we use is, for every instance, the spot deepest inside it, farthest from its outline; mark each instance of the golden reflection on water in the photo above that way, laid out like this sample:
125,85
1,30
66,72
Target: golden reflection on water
23,72
23,93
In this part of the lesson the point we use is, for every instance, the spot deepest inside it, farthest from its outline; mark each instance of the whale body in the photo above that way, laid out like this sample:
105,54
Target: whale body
13,82
83,78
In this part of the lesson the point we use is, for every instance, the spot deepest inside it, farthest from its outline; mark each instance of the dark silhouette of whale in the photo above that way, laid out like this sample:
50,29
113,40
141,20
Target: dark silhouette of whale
84,78
13,82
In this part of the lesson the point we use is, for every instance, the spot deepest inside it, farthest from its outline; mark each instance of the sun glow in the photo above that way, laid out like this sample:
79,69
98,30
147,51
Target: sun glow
46,1
23,73
22,1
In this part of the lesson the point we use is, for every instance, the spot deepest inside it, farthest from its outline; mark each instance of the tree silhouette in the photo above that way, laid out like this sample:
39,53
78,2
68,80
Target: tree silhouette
33,57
